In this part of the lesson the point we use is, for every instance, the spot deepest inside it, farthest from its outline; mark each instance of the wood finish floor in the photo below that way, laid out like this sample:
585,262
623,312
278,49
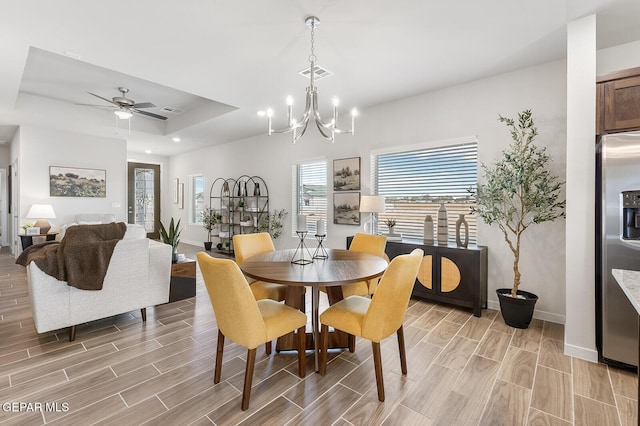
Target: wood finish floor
463,370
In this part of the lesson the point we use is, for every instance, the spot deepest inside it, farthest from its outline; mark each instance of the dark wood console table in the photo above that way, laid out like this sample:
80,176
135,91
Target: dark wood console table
448,274
27,240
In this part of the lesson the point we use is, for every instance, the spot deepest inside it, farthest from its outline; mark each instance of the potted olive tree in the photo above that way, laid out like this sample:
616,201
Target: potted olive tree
518,191
209,221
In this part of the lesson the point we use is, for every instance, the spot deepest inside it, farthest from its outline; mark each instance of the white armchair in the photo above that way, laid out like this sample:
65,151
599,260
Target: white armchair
138,276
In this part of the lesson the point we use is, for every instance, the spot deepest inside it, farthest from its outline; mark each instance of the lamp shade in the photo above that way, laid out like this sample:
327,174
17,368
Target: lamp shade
41,211
372,204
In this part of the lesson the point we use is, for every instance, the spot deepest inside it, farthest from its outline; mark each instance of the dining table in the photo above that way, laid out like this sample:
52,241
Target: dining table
338,268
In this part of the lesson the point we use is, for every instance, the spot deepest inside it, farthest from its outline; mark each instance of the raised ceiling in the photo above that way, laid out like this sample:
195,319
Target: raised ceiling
222,61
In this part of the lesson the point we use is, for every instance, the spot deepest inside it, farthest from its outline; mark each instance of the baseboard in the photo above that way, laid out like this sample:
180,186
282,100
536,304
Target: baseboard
194,243
580,352
543,315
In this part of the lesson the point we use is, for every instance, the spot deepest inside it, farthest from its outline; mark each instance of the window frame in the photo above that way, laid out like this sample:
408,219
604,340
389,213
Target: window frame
194,217
452,214
295,197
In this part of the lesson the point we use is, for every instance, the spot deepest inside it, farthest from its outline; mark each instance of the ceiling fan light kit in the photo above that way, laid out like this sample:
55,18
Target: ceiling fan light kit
329,129
125,107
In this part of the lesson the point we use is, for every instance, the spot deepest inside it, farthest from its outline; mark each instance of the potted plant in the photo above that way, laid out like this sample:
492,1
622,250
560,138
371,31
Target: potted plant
519,191
171,237
209,221
272,223
390,222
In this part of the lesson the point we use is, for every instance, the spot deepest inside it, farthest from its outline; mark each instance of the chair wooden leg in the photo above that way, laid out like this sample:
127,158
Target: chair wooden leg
324,346
72,333
302,303
302,347
403,353
352,343
220,349
143,312
377,362
267,348
248,378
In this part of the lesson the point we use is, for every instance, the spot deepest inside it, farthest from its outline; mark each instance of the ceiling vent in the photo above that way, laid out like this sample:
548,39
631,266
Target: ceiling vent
172,110
318,71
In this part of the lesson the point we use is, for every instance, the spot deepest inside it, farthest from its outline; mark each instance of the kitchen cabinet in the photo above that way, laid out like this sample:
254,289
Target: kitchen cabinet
618,102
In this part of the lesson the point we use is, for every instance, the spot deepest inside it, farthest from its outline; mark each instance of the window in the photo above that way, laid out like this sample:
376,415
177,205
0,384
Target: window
415,182
196,199
309,193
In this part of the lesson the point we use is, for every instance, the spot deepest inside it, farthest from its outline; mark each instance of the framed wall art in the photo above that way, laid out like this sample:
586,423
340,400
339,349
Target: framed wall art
77,182
346,208
346,174
181,196
176,190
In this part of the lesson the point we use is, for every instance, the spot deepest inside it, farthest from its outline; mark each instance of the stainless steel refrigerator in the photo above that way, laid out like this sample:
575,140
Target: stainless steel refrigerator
617,243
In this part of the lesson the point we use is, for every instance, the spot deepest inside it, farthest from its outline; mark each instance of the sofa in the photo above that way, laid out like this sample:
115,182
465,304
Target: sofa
138,275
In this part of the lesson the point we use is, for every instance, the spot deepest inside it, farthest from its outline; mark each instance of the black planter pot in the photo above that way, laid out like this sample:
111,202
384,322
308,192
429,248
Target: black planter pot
516,312
207,245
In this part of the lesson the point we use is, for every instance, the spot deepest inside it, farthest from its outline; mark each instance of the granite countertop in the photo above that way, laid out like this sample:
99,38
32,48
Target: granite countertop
629,282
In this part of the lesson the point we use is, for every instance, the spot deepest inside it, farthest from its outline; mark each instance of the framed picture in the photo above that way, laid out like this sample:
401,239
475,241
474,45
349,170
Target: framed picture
346,208
34,230
181,196
77,182
346,174
176,190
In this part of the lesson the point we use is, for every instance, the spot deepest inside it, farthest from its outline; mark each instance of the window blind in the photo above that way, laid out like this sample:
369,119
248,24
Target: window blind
415,182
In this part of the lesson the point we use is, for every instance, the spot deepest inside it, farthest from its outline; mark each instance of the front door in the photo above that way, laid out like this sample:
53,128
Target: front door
144,197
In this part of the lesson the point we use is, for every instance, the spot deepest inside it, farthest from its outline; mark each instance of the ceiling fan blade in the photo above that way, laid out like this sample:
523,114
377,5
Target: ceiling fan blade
104,99
144,105
149,114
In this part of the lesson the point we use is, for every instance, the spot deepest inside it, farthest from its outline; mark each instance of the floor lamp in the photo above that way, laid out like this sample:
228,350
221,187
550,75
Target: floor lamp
371,204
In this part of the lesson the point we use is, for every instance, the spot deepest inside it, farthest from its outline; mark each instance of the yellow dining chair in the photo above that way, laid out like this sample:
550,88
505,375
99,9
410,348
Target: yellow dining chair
376,318
245,320
366,243
247,245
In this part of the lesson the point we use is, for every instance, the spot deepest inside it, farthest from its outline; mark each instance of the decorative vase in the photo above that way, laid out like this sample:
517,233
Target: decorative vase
443,225
428,230
256,190
174,255
391,230
225,189
219,246
516,312
462,222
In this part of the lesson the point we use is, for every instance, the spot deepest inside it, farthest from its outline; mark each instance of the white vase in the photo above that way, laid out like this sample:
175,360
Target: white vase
443,225
428,230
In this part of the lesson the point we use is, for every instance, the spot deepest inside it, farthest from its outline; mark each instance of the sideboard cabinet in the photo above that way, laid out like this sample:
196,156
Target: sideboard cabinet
448,273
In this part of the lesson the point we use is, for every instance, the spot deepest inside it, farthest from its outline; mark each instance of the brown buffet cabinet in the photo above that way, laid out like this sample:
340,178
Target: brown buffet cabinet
448,274
618,101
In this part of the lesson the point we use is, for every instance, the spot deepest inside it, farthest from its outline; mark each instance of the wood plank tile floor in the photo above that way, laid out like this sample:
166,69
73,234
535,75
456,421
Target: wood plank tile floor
463,370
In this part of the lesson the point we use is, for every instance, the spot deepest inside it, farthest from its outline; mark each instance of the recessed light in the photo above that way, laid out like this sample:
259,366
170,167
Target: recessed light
176,139
148,151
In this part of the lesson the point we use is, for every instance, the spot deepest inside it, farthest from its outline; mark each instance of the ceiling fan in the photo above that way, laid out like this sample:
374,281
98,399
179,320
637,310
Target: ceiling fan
126,106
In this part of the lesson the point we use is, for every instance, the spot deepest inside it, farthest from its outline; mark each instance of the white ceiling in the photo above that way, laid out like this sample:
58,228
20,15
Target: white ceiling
222,61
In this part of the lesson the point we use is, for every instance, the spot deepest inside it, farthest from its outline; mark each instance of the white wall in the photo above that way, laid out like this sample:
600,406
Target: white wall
41,148
618,58
465,110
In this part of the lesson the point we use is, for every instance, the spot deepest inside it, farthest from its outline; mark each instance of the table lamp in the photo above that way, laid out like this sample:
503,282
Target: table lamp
41,212
371,204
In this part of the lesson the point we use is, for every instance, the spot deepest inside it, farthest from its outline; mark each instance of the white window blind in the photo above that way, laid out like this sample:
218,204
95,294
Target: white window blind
196,199
415,182
309,193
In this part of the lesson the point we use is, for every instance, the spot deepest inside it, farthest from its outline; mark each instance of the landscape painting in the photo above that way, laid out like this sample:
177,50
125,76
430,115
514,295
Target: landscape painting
77,182
346,174
346,208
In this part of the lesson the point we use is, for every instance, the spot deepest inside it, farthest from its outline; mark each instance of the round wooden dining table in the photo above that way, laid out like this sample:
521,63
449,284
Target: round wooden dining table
340,267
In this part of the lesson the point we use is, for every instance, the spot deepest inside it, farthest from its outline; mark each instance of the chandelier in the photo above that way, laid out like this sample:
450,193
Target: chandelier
298,127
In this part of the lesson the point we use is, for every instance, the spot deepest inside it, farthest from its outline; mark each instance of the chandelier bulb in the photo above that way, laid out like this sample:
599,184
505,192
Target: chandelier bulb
289,100
354,112
269,112
335,101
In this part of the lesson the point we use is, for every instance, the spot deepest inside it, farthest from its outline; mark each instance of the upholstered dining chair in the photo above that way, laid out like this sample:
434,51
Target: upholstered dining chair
247,245
245,320
376,318
366,243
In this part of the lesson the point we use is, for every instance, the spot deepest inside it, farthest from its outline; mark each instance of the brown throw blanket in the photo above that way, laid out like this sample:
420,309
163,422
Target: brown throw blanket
83,256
